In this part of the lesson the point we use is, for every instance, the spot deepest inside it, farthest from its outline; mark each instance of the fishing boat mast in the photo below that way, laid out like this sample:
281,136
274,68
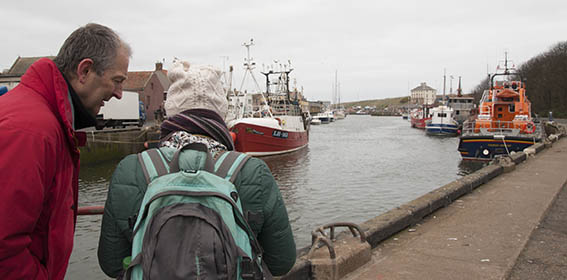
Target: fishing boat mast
249,65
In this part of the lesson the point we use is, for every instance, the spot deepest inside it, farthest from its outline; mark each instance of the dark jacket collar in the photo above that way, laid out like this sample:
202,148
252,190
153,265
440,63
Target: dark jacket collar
82,118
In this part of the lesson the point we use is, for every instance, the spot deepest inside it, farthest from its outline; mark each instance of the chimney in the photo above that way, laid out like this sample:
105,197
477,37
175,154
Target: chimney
159,66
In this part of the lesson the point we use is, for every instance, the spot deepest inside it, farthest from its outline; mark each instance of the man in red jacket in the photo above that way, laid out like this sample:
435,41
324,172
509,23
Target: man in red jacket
39,155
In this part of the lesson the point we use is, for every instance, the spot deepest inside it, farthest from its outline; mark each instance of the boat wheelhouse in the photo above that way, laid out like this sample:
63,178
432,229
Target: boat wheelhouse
442,122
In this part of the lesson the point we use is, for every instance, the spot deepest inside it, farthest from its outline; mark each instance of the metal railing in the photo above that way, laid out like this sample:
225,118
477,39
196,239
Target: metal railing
506,128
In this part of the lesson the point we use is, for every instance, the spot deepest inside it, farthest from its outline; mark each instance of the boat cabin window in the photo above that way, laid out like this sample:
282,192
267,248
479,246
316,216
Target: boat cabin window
512,108
458,112
499,109
499,116
442,115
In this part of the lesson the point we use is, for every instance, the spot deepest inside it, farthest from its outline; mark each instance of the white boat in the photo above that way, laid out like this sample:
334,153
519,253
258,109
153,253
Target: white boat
325,117
442,122
339,114
315,121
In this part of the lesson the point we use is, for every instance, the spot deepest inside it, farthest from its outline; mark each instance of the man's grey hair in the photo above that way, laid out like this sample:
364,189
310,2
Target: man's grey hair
94,41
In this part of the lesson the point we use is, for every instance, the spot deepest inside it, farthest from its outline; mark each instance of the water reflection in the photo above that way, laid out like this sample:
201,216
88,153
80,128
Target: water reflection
290,172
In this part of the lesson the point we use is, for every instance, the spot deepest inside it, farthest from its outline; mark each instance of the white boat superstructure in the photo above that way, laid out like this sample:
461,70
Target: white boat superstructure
442,122
325,117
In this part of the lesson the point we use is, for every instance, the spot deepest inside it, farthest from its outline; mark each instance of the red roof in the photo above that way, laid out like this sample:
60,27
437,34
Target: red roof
137,80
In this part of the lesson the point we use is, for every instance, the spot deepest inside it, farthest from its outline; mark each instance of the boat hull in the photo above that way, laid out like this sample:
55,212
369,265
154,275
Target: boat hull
485,148
258,140
419,123
441,129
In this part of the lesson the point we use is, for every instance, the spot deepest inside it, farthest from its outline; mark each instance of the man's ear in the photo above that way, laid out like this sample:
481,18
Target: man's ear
83,69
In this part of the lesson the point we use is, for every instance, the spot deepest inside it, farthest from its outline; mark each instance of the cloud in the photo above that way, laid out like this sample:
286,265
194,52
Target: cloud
378,48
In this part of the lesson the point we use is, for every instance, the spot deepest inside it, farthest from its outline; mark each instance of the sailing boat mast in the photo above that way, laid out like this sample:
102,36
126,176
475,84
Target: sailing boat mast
339,94
459,90
335,92
444,79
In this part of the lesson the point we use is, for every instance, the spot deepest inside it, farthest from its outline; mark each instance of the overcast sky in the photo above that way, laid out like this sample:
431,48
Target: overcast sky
379,48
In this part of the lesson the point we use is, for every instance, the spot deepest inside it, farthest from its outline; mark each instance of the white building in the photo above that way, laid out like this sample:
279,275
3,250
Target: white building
423,94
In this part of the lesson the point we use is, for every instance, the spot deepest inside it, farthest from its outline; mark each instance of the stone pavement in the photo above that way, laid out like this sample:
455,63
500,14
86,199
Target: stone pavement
491,233
545,255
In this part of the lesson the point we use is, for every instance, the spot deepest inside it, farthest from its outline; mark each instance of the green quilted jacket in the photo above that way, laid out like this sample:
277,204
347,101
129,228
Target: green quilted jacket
261,202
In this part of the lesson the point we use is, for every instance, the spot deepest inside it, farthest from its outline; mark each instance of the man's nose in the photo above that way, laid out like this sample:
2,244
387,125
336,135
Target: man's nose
117,93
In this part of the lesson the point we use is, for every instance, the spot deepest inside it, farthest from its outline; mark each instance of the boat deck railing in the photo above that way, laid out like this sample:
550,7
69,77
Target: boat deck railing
504,128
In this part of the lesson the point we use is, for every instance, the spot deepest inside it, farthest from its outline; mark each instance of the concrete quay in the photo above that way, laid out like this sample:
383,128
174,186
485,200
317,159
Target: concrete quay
487,234
501,222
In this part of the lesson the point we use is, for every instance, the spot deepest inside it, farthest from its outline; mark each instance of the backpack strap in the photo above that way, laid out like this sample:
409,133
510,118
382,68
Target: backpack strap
153,164
230,164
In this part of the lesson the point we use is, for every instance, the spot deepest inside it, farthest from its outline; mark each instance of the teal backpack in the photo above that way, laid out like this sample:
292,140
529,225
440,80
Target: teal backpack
190,224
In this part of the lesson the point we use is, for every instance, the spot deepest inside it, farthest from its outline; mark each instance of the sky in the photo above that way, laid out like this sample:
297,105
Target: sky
378,49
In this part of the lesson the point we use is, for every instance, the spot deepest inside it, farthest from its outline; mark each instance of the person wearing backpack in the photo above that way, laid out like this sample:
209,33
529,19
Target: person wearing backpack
196,138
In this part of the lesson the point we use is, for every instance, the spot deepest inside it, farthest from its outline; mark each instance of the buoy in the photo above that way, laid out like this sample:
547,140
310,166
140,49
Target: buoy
530,128
233,135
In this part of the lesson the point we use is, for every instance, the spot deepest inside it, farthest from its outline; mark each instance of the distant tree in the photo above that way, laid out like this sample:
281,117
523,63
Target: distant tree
546,81
480,88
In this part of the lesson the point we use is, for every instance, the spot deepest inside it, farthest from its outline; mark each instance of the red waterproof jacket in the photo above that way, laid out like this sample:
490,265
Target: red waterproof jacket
39,167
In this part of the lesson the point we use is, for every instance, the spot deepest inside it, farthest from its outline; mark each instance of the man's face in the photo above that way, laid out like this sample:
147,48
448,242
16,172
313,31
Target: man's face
95,89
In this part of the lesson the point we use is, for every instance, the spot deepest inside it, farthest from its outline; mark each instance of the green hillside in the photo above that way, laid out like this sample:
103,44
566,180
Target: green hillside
379,103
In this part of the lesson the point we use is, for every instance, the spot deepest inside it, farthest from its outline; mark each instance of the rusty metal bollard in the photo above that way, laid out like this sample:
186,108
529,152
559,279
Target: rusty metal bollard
343,257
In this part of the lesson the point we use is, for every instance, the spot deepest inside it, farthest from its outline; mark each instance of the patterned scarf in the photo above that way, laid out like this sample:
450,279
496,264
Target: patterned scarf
198,121
181,138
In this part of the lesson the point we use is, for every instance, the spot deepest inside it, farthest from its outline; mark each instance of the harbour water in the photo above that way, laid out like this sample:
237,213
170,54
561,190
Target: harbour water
352,170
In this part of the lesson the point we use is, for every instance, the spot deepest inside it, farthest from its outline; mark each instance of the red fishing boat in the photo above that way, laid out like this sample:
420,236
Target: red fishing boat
419,117
278,125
